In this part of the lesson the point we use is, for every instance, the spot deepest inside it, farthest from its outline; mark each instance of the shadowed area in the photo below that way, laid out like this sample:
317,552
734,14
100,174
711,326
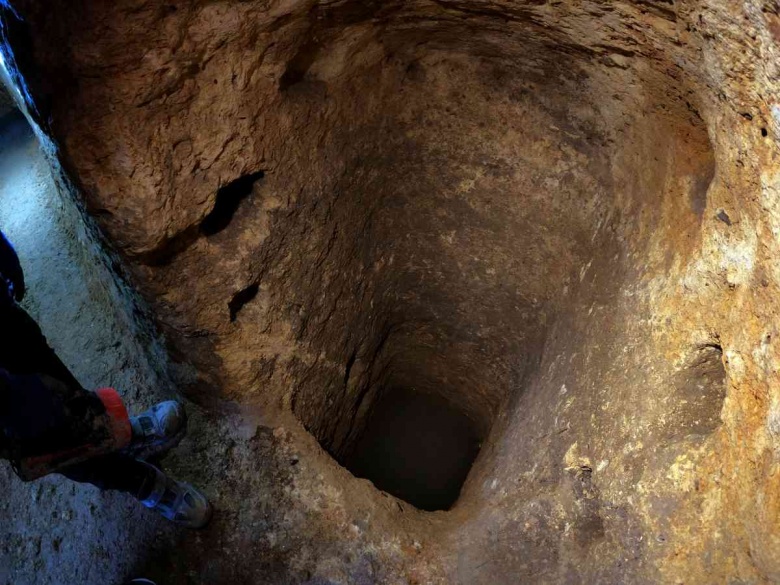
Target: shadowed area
416,447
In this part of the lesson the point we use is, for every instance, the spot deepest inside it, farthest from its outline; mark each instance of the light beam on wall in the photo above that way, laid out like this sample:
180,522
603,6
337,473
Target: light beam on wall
8,81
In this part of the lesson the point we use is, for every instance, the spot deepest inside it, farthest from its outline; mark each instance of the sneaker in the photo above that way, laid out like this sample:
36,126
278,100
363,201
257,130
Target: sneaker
177,501
157,430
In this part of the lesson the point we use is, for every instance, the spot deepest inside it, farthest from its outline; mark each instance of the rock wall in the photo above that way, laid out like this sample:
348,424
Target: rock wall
7,104
561,217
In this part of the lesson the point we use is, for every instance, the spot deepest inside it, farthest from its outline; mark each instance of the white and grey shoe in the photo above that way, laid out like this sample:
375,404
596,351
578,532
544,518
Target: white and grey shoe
157,430
177,501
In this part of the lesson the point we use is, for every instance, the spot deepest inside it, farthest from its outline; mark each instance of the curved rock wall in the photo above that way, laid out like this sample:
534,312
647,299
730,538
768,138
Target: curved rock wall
561,217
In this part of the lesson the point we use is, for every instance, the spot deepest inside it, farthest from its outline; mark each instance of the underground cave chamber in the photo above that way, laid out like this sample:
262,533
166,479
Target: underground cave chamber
443,216
466,223
479,257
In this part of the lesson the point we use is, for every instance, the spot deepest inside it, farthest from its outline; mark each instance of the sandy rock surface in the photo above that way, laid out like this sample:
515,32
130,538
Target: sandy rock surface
561,217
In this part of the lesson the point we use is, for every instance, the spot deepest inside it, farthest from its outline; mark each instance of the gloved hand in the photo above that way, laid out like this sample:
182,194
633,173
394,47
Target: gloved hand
10,270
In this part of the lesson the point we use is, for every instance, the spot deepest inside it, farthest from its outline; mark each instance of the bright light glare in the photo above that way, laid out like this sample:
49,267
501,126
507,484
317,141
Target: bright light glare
7,81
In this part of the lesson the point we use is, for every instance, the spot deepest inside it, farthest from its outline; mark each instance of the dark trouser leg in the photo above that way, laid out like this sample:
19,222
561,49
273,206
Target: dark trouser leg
46,414
41,415
114,472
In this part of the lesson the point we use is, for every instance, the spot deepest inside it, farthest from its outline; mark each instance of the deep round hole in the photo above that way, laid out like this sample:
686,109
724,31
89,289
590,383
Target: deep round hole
417,447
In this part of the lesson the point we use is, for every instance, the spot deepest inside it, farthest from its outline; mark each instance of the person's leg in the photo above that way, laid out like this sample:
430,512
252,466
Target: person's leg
48,419
24,351
114,472
177,501
50,423
46,426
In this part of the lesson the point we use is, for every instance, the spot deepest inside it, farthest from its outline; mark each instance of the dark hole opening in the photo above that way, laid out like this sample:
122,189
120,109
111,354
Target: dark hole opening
416,447
229,197
764,132
240,299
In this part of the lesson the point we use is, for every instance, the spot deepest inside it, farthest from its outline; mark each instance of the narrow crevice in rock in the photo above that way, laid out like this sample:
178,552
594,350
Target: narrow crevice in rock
298,66
164,254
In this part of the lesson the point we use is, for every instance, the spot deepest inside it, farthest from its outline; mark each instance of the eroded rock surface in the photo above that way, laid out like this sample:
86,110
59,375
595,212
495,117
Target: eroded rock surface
560,217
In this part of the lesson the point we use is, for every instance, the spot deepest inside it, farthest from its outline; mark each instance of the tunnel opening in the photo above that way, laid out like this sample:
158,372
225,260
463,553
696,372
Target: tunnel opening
241,298
429,272
416,447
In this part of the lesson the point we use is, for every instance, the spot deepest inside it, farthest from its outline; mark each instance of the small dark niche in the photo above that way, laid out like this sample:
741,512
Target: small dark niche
229,197
240,299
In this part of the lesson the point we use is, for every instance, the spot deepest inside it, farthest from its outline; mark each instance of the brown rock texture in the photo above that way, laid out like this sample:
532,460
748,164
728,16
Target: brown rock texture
561,217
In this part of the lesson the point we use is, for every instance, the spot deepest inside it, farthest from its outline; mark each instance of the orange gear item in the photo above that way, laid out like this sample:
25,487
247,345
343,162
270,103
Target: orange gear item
118,433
